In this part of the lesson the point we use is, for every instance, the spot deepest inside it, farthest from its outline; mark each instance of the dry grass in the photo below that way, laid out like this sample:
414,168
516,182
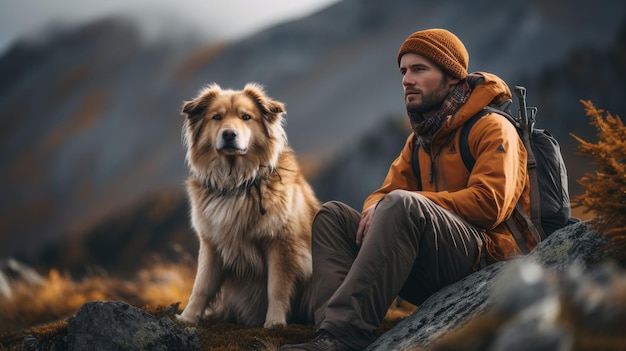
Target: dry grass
42,310
59,296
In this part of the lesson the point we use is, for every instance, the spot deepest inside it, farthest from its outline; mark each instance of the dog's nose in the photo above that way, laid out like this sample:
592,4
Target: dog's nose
229,135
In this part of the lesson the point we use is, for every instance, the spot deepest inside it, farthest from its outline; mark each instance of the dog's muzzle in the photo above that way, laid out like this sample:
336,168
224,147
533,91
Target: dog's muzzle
229,142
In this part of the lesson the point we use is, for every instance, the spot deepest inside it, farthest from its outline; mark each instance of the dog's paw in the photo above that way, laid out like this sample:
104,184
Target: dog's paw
274,324
182,318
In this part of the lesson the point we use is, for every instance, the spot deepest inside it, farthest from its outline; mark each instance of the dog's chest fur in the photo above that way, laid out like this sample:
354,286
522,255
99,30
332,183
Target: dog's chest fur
235,227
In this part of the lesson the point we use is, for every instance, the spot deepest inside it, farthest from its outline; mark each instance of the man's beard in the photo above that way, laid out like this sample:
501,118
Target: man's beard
430,102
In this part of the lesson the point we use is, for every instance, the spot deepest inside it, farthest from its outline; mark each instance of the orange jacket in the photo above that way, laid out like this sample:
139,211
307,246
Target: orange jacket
485,197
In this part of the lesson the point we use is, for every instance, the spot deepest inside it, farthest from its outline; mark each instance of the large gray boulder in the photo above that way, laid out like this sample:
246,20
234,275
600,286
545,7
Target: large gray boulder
520,301
119,326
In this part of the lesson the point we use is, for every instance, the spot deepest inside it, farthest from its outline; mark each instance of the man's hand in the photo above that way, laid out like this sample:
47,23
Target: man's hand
364,224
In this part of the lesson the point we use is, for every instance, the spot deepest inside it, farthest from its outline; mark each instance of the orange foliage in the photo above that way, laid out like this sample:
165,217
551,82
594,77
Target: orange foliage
605,190
60,296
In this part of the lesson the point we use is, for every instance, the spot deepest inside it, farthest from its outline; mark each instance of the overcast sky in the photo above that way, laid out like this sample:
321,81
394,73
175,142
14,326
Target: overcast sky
227,19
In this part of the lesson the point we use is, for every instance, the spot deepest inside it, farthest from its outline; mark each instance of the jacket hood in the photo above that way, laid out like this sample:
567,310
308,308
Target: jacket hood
487,89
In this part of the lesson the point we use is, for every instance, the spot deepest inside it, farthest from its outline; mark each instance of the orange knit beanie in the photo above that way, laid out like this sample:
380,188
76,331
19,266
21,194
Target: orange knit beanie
439,46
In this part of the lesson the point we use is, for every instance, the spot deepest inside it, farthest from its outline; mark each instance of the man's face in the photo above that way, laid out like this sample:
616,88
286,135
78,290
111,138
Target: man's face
425,84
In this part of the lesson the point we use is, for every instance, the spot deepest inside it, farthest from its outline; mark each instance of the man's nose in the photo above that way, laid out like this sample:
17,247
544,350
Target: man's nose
406,80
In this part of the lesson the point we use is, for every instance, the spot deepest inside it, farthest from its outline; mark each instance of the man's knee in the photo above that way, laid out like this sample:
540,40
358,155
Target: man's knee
331,207
334,218
329,211
398,201
406,209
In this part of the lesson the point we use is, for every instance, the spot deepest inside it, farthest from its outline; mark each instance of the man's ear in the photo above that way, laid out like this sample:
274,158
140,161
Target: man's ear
450,80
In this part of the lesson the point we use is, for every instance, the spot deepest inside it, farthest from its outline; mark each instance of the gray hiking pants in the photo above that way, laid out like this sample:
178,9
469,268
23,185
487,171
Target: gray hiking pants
412,249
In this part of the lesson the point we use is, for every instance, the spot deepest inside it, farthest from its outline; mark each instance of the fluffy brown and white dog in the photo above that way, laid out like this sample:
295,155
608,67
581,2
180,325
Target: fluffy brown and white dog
251,208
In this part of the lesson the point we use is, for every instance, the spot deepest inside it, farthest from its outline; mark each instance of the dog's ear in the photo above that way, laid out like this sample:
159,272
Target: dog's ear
275,109
193,108
272,110
197,106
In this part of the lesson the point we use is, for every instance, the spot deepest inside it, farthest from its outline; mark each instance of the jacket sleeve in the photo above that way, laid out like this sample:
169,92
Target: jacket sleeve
399,176
498,178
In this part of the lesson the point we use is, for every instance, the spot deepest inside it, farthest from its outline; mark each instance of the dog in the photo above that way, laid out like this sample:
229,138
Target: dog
251,208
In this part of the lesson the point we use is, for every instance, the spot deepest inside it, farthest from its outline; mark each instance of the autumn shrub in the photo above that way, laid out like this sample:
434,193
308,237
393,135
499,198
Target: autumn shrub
59,296
605,189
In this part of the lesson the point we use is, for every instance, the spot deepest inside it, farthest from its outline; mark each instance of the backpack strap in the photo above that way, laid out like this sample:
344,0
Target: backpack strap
466,156
415,162
518,219
468,159
515,223
526,127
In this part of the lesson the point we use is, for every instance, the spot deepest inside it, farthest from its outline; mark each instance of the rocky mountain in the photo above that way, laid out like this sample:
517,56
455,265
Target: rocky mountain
91,124
587,74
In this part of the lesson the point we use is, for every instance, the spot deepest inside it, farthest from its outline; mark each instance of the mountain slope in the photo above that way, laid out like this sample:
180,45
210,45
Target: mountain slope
91,119
91,124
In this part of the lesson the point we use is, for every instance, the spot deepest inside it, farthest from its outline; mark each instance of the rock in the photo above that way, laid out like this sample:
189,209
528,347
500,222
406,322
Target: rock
119,326
442,312
537,302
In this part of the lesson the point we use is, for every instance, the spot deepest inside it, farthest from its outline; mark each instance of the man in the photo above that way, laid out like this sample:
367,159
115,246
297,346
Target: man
416,236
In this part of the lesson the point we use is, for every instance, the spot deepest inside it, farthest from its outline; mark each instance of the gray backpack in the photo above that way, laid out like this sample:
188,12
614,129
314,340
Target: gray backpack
549,196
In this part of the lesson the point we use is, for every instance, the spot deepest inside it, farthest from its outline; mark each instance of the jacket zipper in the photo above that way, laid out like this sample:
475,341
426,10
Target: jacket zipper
432,175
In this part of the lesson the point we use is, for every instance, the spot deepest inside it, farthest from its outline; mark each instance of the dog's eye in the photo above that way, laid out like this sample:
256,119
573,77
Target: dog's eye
246,117
217,117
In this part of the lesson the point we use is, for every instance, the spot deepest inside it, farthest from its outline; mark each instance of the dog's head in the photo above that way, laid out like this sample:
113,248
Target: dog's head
241,129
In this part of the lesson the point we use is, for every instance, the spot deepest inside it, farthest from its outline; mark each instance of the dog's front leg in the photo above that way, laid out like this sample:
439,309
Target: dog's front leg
280,285
206,285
